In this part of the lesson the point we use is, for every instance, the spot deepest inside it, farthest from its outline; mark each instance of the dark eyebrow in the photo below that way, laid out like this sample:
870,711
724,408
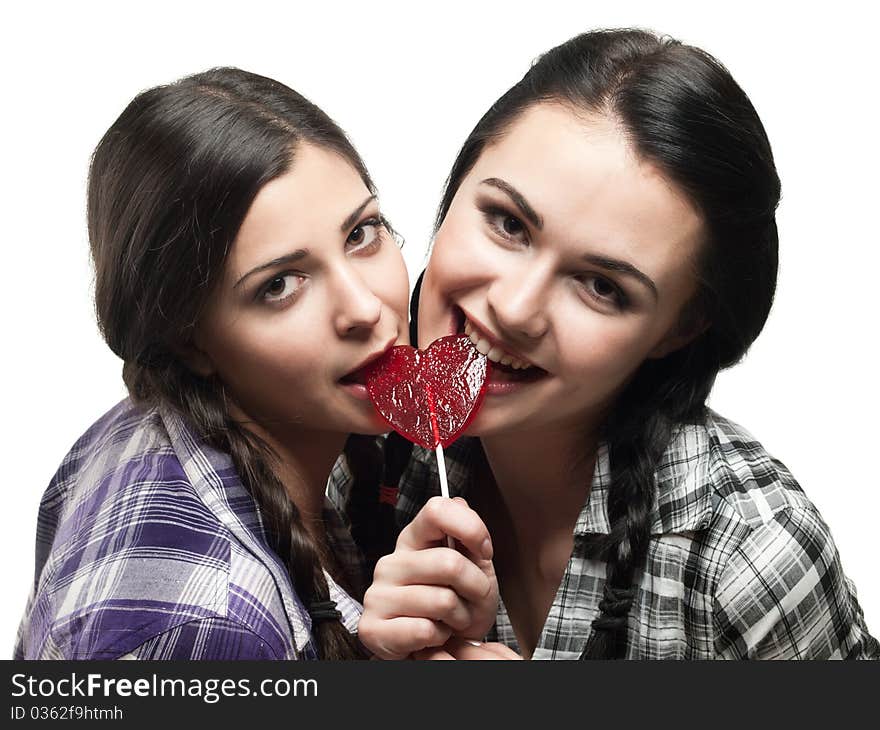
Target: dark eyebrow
518,200
624,268
355,214
286,259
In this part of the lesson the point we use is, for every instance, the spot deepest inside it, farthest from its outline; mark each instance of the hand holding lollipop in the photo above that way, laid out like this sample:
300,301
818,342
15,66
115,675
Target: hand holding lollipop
420,596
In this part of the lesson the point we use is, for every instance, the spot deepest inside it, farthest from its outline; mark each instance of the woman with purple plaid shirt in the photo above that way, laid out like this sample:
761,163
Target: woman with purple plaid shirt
244,275
607,238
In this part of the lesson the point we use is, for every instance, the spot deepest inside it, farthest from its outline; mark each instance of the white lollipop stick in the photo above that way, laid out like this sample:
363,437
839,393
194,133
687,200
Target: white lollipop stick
441,467
444,484
441,460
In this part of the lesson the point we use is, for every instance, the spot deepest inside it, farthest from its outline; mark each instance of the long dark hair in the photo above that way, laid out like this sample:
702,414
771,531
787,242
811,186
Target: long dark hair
683,112
169,186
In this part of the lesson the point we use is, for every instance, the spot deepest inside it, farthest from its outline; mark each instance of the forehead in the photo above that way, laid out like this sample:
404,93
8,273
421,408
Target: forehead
303,208
582,175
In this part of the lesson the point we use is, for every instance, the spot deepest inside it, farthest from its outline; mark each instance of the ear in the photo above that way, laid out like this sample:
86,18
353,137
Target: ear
195,358
679,336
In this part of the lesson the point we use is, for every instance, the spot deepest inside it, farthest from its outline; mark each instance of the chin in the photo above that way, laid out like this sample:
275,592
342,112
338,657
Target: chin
485,425
370,426
371,431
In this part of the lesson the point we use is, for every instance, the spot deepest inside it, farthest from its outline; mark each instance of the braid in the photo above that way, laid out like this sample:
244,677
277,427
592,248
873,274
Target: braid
680,110
203,402
663,395
291,539
170,185
635,449
370,506
364,457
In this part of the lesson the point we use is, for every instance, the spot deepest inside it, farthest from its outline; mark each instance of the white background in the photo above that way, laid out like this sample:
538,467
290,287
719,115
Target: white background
408,81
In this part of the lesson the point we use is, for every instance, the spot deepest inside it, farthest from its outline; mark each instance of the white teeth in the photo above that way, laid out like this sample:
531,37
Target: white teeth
495,354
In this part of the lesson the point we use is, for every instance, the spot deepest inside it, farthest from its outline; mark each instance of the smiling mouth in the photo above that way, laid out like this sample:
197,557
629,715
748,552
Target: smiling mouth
504,363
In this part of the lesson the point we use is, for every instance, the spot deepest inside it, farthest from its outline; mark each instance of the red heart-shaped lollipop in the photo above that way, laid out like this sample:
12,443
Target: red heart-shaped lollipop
429,396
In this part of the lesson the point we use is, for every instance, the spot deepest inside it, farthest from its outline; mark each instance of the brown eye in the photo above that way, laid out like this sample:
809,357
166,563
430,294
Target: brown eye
603,287
512,226
603,291
283,287
364,236
276,286
507,226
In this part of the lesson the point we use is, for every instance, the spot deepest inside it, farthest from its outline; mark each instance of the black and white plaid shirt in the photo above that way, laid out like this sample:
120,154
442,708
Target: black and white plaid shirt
740,564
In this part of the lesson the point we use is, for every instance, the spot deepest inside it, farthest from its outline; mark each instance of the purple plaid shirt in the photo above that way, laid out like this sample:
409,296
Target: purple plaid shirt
149,547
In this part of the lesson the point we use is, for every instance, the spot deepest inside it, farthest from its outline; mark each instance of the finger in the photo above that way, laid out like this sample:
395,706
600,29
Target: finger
438,603
464,649
438,566
502,651
396,638
441,517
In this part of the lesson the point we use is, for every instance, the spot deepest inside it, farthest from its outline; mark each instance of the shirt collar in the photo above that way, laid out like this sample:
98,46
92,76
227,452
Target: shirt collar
683,498
218,485
685,492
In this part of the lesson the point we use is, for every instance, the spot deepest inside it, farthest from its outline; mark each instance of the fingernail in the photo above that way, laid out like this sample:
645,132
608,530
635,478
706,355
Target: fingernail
473,643
486,549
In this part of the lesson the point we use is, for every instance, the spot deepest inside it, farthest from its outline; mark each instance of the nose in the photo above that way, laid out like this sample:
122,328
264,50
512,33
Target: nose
518,300
355,307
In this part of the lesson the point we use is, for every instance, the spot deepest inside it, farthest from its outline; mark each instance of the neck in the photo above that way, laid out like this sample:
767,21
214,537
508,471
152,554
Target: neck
530,502
305,458
543,479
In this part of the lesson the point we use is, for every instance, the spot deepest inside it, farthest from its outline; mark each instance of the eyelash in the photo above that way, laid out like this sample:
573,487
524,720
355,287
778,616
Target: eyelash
381,226
264,290
491,212
620,300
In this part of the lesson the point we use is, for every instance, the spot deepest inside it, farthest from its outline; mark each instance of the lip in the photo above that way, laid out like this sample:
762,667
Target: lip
495,389
368,361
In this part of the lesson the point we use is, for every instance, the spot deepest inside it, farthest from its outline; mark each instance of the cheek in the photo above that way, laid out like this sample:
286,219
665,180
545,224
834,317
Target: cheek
262,360
440,281
461,260
598,348
463,250
385,275
390,282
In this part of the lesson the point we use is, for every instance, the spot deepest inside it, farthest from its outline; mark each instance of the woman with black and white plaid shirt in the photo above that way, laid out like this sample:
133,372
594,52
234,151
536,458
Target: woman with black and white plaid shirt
608,238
